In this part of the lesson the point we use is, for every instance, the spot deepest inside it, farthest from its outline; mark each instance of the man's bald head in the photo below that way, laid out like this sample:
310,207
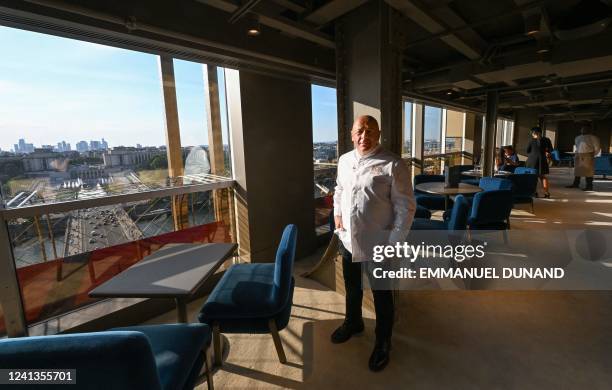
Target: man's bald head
365,133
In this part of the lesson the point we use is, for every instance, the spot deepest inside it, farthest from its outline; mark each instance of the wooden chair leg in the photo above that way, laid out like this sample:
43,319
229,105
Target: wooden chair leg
209,367
277,341
217,345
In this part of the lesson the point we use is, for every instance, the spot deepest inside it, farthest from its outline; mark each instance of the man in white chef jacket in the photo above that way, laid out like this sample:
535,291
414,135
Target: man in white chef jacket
373,205
587,147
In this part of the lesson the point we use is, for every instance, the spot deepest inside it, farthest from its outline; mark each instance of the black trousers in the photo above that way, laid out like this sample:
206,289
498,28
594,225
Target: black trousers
383,299
589,181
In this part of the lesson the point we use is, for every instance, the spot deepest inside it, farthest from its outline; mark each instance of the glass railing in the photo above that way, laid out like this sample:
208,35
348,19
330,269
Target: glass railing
325,182
65,248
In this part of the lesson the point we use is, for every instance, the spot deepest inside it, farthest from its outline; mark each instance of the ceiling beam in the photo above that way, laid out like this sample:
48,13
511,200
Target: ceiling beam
279,23
417,12
243,10
290,5
171,28
332,10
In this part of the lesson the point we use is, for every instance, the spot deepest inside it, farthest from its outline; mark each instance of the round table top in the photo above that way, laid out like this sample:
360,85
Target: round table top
437,187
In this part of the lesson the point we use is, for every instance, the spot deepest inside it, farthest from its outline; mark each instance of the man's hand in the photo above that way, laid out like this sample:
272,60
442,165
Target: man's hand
338,222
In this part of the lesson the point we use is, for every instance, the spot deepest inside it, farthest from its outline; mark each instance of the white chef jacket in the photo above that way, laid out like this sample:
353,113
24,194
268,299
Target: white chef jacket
374,197
587,143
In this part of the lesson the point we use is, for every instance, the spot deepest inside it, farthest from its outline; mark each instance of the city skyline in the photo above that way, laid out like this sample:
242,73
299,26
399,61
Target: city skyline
54,89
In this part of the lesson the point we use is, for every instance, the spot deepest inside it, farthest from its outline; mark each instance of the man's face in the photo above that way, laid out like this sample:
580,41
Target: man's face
365,135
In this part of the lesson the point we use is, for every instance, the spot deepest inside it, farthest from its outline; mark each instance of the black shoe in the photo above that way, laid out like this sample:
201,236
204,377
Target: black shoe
346,331
572,186
547,195
380,356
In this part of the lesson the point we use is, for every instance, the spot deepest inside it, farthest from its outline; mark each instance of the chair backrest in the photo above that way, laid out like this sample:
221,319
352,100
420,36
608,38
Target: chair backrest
556,156
523,170
459,214
492,206
524,185
494,183
283,268
103,360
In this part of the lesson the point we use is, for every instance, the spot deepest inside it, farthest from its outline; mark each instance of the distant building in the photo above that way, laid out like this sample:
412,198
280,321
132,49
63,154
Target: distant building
95,145
82,146
139,146
122,156
43,160
104,144
24,147
63,147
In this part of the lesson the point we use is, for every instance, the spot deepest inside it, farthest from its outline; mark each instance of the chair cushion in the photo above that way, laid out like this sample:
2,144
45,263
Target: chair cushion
245,291
178,351
120,360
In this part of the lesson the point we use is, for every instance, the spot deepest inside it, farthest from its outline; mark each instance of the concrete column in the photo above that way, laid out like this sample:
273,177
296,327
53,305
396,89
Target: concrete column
368,72
271,136
215,144
417,138
180,209
10,294
488,138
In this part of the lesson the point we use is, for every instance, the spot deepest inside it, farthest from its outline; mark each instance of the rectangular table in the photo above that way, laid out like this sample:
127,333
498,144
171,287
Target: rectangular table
172,272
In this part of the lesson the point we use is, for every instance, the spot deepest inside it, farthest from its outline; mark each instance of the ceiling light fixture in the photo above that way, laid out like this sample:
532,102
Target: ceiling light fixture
532,24
254,27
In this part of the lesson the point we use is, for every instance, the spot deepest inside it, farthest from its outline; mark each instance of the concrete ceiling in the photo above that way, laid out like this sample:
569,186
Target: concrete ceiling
454,51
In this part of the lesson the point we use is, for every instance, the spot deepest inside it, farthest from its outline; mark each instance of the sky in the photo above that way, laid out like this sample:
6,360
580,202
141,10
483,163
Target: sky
56,89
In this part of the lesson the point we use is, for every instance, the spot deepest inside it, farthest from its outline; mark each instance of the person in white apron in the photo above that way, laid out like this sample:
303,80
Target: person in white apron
586,148
373,204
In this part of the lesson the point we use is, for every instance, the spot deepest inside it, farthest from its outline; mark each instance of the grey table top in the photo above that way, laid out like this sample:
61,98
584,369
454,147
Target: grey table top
171,272
437,187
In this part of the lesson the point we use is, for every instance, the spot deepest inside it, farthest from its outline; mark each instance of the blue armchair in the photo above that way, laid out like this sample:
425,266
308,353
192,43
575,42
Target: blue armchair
429,201
142,357
254,298
494,183
457,221
603,165
524,188
491,211
559,159
523,170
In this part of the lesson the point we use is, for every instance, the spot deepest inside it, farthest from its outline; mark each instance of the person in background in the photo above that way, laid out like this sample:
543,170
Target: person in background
586,148
510,159
538,154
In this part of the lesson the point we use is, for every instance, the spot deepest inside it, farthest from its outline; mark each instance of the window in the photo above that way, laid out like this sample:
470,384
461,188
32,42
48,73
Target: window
454,130
325,152
88,121
432,140
407,143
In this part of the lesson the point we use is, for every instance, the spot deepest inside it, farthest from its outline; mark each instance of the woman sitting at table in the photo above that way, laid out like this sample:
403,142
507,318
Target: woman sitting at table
510,159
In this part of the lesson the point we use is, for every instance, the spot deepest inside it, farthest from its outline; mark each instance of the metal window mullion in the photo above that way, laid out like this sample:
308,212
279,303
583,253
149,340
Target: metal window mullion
10,294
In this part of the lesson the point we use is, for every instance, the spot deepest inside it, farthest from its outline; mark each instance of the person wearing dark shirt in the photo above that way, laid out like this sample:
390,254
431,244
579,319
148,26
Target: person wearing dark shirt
538,153
510,159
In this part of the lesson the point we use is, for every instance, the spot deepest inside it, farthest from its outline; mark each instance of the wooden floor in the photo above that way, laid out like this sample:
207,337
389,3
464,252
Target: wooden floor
447,339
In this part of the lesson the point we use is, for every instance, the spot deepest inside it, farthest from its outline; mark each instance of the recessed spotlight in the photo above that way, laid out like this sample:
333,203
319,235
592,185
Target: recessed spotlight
254,28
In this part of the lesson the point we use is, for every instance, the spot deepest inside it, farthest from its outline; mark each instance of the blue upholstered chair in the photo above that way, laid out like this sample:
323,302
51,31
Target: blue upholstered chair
494,183
491,211
524,188
152,357
254,298
429,201
523,170
559,159
457,221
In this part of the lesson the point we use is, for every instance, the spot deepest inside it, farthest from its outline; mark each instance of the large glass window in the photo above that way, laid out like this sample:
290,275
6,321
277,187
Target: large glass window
455,121
407,139
325,152
79,121
432,140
